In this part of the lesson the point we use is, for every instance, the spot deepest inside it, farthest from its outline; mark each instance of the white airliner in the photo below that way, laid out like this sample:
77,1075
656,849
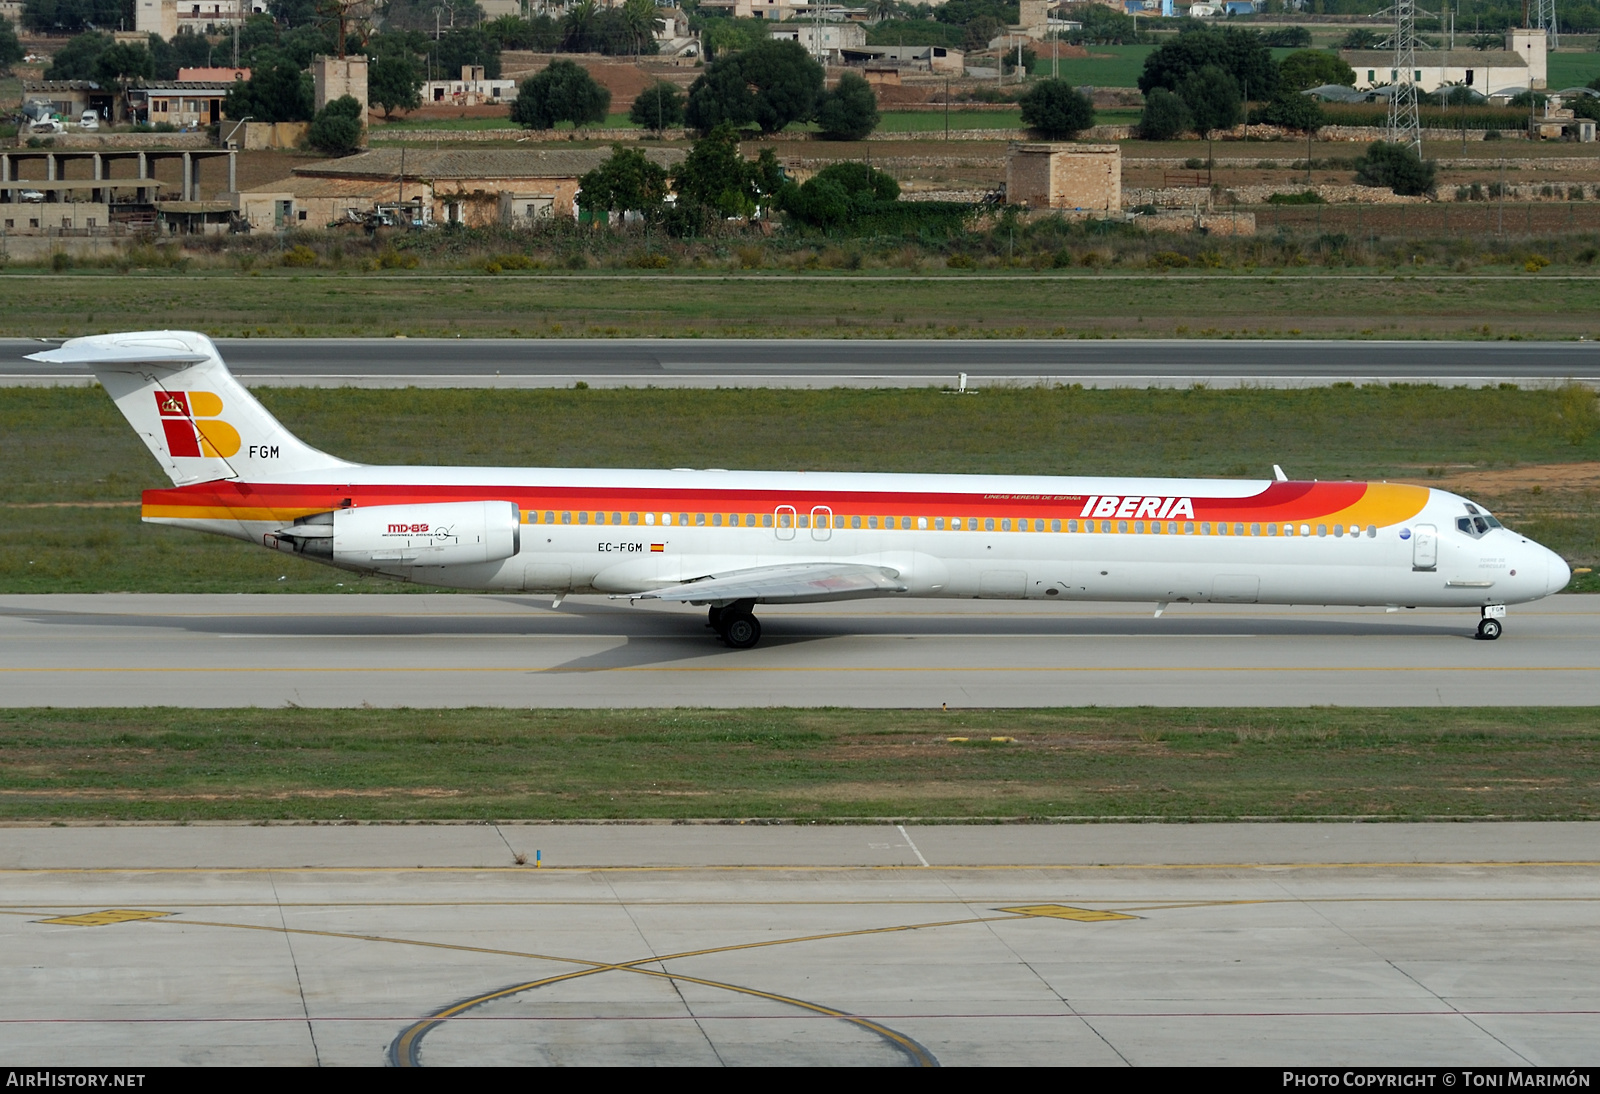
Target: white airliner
731,540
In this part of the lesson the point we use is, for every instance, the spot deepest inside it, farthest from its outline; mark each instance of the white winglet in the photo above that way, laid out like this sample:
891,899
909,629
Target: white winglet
1277,473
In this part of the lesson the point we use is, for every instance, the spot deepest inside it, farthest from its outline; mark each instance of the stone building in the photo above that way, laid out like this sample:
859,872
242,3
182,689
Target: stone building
1080,177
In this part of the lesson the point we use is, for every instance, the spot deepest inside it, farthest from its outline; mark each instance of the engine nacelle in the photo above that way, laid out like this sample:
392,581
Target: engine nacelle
457,533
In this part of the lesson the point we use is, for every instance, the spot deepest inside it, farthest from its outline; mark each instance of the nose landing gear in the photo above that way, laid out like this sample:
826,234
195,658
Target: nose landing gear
1490,627
735,624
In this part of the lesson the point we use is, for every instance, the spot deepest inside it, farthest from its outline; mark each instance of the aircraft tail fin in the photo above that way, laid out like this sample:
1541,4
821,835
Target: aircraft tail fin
199,422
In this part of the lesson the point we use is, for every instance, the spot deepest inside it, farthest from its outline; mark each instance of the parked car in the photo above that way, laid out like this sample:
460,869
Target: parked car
31,195
89,119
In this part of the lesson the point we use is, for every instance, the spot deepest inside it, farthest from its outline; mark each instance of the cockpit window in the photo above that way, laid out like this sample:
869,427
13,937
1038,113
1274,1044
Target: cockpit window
1478,526
1473,509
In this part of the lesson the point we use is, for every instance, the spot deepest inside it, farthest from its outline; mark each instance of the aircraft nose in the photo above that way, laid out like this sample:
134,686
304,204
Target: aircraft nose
1557,572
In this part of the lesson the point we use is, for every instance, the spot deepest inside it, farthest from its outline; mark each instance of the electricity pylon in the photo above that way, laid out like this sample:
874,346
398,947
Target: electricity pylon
1405,127
1545,20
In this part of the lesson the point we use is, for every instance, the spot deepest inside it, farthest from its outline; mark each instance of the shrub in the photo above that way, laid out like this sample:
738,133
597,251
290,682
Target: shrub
1168,260
1165,116
299,256
1304,197
1396,166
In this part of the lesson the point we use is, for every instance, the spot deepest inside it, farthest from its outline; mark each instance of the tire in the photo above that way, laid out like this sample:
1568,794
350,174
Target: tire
714,618
741,630
1489,629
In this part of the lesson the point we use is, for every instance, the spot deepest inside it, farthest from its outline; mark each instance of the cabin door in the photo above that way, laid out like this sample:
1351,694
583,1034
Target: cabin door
1424,547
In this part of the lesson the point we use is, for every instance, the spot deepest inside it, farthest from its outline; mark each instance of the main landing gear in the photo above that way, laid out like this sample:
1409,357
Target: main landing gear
735,624
1489,627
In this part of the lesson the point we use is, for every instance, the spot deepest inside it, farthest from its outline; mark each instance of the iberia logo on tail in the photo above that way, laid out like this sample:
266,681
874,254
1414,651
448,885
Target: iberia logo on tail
189,419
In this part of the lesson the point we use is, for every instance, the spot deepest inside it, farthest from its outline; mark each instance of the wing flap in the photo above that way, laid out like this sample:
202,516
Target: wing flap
794,583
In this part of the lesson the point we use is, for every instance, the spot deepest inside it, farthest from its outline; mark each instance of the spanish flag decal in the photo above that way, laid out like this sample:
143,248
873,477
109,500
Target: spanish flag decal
658,546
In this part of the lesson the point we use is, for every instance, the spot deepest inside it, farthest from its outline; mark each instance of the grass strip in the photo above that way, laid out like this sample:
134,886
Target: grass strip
830,764
722,303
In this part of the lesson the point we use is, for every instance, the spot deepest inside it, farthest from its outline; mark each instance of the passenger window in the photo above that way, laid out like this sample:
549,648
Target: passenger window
1172,527
1338,531
905,522
804,522
716,520
1122,526
1222,529
633,518
1072,526
1038,526
566,518
938,524
872,522
649,518
1205,528
583,518
549,518
599,518
955,524
988,524
1372,531
616,518
750,520
1305,529
1322,529
683,518
1138,527
1255,529
855,522
922,524
1055,526
1288,529
1238,529
1188,527
766,520
1005,524
733,520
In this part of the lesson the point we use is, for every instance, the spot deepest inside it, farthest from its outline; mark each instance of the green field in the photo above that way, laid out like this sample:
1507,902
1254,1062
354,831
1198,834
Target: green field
1106,66
71,469
1572,69
805,765
933,121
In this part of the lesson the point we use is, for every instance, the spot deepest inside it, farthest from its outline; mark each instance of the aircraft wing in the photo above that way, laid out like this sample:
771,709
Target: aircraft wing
794,583
86,352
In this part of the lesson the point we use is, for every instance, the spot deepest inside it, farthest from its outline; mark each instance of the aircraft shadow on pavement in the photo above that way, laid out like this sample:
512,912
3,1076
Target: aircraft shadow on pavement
687,636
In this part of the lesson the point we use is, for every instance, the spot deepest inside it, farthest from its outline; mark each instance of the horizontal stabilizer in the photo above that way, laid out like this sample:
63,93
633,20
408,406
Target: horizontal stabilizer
82,351
797,583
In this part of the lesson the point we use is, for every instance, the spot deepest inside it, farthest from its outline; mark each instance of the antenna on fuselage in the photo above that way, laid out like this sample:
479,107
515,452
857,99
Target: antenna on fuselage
1277,473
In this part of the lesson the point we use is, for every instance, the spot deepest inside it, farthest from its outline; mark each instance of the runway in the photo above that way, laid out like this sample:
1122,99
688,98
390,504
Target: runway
1454,945
387,362
442,650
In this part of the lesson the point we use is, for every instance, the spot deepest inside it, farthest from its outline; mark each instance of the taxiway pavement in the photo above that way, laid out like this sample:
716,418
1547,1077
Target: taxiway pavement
1464,945
443,650
689,362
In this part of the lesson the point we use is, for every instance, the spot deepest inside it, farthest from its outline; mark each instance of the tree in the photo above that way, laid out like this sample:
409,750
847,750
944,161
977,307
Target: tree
394,82
1165,116
541,33
294,13
980,32
336,129
1396,166
1359,39
1056,110
10,48
717,176
563,92
640,18
75,60
120,65
850,111
658,106
277,91
1212,97
1308,68
1487,41
626,181
1294,110
1238,53
772,84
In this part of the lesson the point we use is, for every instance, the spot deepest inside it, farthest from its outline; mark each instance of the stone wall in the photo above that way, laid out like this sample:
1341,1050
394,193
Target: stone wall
89,142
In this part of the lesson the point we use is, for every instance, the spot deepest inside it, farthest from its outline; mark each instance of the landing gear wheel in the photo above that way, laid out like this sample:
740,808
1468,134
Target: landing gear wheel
740,629
714,618
1489,629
